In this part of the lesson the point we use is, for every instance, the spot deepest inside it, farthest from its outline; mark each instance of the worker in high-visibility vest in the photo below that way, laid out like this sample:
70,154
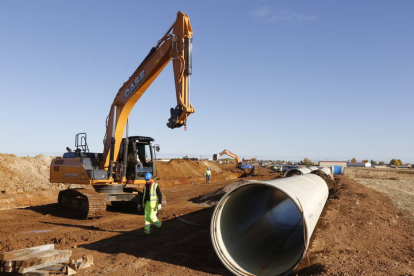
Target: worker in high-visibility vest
151,201
208,175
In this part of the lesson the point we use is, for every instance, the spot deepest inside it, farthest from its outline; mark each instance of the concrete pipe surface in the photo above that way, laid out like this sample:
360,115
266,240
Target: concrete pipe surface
264,228
298,171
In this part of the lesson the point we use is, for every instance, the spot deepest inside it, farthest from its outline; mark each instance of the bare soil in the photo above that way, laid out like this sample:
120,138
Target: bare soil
401,192
360,231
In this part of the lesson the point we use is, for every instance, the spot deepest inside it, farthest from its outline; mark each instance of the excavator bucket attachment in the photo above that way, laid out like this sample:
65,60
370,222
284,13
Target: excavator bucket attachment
173,121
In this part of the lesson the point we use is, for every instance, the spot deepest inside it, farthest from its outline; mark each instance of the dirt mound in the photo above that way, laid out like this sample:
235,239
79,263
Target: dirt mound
177,168
23,174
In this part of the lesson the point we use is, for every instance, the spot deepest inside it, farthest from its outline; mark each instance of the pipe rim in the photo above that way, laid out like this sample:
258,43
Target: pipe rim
236,269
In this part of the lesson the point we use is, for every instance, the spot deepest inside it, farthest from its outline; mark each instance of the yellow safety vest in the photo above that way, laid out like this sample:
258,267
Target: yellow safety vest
153,195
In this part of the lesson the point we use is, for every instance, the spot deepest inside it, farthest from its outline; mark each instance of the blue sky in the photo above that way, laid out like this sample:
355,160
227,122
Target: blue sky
271,79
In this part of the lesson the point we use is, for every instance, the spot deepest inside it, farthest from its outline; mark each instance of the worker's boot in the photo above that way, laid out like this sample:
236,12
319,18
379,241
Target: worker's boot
158,224
147,229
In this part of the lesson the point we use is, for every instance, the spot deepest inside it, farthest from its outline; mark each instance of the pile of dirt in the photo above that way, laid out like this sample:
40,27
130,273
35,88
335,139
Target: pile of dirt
186,168
185,172
24,174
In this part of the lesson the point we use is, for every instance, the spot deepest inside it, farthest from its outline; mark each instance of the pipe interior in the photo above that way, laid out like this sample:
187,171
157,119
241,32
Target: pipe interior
293,172
262,230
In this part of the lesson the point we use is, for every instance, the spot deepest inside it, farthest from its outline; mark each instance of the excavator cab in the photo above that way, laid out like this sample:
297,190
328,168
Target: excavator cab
140,158
136,157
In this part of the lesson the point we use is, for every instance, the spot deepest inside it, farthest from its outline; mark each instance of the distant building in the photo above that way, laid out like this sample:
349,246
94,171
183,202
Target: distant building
336,166
332,163
404,167
358,164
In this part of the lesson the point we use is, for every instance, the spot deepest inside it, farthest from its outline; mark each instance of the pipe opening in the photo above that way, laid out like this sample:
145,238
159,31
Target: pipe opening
330,182
258,229
299,171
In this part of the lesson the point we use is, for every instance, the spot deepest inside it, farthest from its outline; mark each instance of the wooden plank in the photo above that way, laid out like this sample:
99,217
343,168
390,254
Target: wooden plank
69,271
37,273
89,259
46,256
36,267
5,256
84,265
56,267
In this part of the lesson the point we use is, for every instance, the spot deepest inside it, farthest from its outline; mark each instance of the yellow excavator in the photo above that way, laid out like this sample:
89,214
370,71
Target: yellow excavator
247,168
125,160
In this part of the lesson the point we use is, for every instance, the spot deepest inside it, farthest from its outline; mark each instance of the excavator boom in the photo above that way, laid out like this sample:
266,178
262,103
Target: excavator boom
229,153
175,45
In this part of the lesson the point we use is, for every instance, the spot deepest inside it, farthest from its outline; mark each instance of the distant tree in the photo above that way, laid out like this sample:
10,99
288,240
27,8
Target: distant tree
373,162
396,162
381,163
401,162
353,160
306,162
254,159
365,161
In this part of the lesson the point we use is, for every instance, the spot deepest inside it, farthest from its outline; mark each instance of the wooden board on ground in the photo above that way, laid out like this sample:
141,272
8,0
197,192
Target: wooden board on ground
37,273
32,259
11,255
39,266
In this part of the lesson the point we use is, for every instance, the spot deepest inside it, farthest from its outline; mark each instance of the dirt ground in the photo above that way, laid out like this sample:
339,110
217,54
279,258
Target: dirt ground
360,231
401,192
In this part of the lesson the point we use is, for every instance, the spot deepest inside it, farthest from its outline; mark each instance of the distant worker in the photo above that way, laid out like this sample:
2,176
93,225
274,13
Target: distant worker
151,201
208,175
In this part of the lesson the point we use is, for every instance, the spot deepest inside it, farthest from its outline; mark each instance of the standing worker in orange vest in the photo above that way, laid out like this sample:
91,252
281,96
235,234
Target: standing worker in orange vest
151,201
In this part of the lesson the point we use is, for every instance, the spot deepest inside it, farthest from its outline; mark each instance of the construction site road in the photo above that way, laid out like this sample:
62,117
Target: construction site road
360,232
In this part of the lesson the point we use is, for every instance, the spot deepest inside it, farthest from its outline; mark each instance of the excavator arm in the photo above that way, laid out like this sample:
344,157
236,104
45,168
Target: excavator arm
229,153
175,45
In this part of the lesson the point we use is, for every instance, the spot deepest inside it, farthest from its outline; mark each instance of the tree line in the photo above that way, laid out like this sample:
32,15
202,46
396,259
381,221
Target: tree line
395,162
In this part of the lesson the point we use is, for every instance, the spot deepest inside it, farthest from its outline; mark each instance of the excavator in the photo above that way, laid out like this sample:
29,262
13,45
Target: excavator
125,160
247,168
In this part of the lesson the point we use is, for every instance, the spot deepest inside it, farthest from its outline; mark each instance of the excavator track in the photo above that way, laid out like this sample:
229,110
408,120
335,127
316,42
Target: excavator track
83,203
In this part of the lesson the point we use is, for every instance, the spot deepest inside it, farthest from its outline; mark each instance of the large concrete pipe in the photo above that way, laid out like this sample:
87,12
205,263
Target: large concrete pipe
326,175
297,171
264,228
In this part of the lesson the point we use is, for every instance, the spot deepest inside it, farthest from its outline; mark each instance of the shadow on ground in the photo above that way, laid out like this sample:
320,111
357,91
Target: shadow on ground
182,241
52,210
